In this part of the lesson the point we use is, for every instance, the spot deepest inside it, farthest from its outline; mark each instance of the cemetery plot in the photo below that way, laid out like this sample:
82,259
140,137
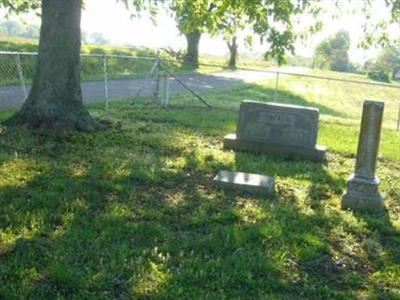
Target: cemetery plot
133,209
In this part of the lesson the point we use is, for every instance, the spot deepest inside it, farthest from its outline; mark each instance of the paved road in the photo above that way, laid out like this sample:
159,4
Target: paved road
13,96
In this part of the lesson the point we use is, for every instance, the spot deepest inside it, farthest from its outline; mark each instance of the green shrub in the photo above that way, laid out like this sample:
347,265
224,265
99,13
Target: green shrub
97,50
379,75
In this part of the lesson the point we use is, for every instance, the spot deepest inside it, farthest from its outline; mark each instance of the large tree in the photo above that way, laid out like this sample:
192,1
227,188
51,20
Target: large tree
231,19
270,20
55,100
193,17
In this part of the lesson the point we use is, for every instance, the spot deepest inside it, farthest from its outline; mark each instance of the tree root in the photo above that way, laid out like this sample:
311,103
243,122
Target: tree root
81,122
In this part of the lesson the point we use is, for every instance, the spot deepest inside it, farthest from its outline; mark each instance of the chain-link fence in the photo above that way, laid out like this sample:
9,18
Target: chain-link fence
341,95
335,94
104,77
16,72
150,80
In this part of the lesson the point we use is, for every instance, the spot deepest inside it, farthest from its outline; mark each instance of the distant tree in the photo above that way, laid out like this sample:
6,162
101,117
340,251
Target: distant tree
14,28
388,60
84,37
386,65
98,38
270,20
11,28
31,31
231,19
193,18
233,52
333,52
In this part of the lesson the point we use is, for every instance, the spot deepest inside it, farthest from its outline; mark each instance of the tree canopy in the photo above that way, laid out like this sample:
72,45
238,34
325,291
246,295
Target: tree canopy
270,20
19,6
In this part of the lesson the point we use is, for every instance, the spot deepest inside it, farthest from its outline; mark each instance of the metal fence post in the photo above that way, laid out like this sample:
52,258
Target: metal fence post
105,80
165,89
21,74
162,89
276,87
167,81
398,119
157,87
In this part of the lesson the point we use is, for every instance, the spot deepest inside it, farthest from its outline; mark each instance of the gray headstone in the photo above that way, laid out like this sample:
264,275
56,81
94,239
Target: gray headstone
363,186
253,183
277,128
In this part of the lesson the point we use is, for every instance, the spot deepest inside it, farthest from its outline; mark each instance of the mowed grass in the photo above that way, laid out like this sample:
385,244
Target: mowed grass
131,213
341,100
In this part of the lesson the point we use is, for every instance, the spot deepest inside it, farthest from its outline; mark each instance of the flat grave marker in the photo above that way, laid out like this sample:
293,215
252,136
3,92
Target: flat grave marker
253,183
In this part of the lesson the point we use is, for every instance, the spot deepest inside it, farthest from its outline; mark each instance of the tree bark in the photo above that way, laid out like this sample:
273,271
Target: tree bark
191,57
55,100
233,49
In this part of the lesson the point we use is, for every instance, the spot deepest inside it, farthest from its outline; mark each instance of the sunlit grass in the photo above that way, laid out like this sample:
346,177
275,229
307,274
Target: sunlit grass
132,212
345,99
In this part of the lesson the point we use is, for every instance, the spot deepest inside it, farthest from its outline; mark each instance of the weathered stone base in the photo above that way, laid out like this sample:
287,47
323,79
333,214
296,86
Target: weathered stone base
253,183
231,142
363,195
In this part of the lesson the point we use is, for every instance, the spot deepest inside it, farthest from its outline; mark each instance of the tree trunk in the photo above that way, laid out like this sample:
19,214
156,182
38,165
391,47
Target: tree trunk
233,49
192,54
55,100
395,73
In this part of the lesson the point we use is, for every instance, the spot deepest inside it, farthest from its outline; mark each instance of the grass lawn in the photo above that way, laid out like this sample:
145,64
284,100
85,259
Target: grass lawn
340,100
132,212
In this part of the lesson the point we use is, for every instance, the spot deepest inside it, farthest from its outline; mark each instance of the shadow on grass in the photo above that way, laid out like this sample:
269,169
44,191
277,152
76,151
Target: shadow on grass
89,237
231,92
220,91
133,214
222,118
382,247
289,166
262,93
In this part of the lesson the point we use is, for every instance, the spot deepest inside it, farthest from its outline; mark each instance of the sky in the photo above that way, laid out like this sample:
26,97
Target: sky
114,21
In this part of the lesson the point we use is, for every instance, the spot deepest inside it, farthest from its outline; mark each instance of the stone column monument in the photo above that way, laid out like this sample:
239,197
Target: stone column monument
363,186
